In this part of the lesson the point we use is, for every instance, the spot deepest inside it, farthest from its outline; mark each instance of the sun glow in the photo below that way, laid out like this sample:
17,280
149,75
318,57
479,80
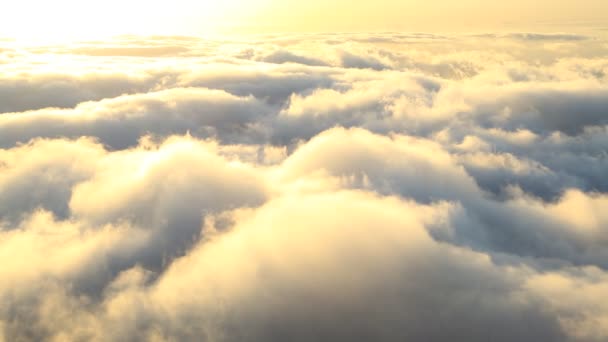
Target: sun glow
58,20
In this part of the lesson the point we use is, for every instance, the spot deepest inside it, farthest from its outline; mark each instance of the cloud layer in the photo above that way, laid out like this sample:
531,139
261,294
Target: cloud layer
293,188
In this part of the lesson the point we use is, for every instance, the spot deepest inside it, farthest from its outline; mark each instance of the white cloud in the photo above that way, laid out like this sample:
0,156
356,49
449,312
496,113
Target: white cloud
320,187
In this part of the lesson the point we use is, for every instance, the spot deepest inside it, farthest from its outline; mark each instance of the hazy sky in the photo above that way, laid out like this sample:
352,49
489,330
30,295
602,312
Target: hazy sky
430,14
55,19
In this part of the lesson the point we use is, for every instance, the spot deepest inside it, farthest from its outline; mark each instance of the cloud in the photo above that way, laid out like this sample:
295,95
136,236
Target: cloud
326,270
353,61
64,91
305,187
361,159
555,36
132,51
288,57
361,272
273,86
170,191
121,121
42,174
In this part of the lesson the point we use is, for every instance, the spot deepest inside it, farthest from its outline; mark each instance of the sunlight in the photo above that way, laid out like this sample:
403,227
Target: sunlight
60,20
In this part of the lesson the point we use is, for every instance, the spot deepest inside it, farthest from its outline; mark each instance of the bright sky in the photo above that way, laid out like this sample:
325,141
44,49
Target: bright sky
51,19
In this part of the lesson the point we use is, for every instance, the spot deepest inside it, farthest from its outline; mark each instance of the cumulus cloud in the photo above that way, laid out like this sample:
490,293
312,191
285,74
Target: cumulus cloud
121,121
305,187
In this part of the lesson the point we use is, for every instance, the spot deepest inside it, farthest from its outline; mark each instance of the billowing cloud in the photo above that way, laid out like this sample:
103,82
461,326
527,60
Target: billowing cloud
121,121
305,187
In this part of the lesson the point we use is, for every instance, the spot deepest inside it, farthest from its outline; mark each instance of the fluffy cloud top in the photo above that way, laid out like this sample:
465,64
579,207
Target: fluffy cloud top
293,188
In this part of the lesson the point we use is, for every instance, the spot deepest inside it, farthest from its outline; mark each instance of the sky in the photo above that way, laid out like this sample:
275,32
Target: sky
423,171
70,18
